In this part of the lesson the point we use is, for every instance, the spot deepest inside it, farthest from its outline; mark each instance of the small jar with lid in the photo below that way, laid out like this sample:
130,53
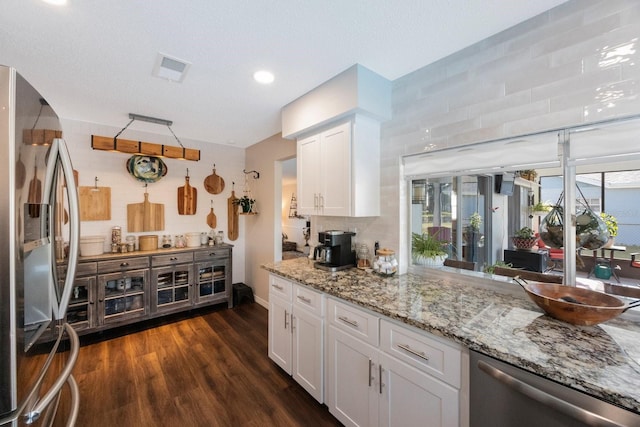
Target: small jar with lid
180,241
385,263
166,241
116,234
363,256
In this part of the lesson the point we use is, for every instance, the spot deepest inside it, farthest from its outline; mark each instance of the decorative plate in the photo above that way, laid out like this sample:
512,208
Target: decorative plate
146,168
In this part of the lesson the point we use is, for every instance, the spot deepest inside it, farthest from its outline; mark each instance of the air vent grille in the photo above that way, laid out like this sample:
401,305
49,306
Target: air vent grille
170,68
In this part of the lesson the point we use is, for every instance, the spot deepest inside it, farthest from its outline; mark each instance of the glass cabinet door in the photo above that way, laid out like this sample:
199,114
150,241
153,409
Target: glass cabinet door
80,313
172,287
211,280
122,295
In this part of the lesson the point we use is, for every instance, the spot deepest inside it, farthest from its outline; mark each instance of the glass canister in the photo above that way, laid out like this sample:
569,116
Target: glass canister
180,241
116,234
219,237
131,243
166,241
363,256
204,238
385,263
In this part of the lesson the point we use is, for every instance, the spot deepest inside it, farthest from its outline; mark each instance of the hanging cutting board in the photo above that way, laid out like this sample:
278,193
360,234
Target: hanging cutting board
212,221
145,216
214,183
187,198
95,203
34,198
232,215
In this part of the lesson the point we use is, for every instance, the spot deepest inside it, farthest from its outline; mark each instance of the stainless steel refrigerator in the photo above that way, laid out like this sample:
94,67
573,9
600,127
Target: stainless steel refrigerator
39,234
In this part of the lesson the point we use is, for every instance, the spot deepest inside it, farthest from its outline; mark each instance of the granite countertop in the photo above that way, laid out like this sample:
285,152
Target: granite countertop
495,319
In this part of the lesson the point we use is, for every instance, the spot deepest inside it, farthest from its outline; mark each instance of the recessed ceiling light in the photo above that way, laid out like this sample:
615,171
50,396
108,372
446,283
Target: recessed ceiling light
56,2
263,76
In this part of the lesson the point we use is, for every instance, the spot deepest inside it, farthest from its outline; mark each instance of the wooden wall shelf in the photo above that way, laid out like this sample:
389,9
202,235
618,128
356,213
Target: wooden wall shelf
128,146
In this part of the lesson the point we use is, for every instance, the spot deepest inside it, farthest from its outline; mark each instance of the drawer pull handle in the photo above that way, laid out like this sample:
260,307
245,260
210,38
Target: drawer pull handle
278,287
304,299
420,354
348,321
124,264
173,258
370,369
212,254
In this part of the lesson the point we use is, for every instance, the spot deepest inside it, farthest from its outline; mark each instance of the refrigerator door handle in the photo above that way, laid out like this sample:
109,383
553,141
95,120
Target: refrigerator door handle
60,151
33,414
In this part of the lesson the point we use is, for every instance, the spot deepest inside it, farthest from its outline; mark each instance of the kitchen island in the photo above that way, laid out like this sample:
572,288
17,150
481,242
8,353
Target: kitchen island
494,318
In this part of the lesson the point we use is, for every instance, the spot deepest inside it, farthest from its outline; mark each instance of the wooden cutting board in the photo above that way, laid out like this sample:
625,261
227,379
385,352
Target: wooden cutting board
187,198
145,216
214,183
95,203
232,215
34,198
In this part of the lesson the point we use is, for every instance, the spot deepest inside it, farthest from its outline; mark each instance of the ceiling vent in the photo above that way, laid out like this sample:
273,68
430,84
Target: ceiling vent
170,68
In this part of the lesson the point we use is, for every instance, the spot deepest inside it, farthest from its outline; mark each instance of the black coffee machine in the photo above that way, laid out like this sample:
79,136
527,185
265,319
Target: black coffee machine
334,252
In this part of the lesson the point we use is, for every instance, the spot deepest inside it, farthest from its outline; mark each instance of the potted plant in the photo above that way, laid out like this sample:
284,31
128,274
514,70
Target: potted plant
540,208
612,226
245,203
528,174
427,249
524,239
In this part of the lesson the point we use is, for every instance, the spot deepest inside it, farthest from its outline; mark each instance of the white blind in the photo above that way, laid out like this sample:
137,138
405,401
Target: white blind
617,141
526,152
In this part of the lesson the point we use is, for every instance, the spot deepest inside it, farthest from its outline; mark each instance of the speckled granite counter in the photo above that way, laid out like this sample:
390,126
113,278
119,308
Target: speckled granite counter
602,360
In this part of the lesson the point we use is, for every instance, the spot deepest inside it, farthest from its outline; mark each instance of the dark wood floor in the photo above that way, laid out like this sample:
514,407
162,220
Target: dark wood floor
210,369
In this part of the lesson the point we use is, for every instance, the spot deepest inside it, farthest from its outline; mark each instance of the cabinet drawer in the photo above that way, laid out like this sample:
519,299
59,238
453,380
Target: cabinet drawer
428,354
83,269
123,264
308,299
354,321
208,254
281,287
171,259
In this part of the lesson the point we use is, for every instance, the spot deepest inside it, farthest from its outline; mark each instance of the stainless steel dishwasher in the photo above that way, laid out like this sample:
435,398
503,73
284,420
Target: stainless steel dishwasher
505,396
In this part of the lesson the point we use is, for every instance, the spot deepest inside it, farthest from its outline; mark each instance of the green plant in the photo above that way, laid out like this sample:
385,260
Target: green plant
427,245
491,268
475,220
612,223
541,207
245,202
524,233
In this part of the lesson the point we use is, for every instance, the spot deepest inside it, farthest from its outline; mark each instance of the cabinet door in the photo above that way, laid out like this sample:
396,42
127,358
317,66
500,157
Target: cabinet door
171,287
413,398
80,313
122,296
308,350
213,281
308,175
335,181
352,395
280,338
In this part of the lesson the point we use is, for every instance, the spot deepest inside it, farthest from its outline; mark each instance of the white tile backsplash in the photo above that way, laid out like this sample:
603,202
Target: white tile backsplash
542,74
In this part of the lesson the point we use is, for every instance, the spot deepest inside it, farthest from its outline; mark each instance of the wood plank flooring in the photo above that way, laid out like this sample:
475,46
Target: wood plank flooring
210,369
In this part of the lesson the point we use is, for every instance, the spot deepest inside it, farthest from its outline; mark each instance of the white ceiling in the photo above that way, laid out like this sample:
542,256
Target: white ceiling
92,60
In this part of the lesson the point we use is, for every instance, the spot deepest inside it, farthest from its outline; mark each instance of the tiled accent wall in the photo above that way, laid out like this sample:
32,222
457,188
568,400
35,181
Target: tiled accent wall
576,63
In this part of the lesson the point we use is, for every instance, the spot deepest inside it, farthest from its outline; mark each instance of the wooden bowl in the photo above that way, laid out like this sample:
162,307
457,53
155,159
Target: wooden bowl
573,305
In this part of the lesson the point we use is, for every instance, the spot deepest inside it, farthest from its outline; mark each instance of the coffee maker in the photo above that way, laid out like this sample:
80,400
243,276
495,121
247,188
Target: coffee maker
334,252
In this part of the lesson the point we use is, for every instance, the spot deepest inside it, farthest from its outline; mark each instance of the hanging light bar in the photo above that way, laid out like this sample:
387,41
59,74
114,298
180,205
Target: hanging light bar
144,148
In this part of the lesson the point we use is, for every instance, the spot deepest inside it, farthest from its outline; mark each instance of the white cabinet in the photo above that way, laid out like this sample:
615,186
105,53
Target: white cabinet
339,170
296,333
394,384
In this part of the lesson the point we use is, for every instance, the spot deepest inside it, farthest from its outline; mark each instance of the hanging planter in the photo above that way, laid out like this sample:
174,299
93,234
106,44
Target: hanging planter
591,230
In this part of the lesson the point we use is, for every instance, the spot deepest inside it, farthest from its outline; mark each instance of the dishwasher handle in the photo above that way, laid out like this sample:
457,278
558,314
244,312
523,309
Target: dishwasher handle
545,398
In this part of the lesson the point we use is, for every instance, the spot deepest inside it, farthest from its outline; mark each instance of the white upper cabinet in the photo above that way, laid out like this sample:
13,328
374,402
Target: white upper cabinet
339,170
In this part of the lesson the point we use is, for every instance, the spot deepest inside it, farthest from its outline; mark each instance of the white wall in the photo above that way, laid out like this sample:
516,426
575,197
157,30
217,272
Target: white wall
264,239
574,64
111,171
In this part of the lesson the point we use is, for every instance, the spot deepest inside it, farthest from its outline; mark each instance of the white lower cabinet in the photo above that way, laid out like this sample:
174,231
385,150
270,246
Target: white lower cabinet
367,386
296,333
